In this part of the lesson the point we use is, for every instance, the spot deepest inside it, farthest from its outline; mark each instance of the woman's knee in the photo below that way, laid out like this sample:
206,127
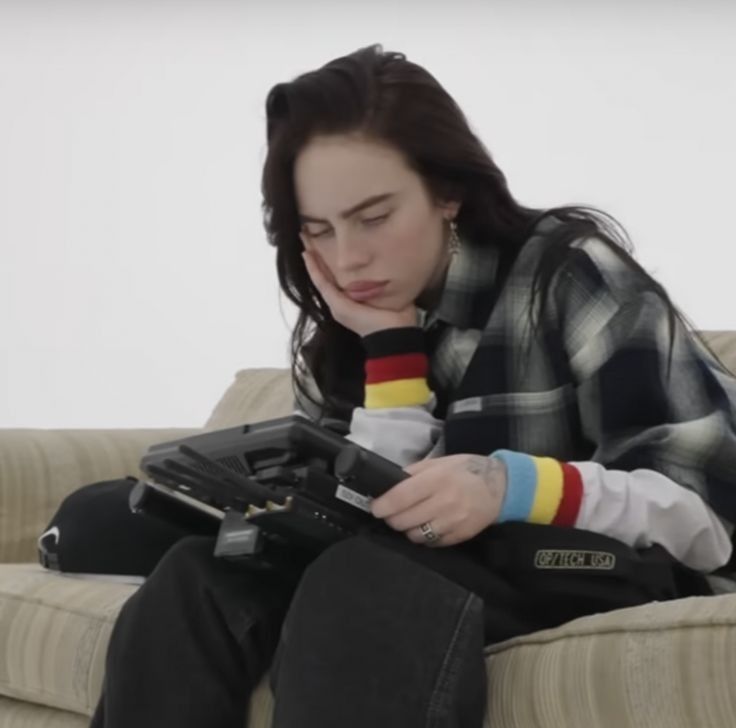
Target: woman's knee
189,554
349,556
368,552
359,564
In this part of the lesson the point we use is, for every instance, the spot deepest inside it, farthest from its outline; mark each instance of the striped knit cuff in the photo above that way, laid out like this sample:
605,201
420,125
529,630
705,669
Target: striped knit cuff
540,490
401,340
396,368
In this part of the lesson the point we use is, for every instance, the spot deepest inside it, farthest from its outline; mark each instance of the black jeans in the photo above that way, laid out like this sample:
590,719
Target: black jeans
372,633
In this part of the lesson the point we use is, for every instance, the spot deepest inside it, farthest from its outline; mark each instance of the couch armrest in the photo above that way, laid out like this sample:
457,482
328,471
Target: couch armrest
38,468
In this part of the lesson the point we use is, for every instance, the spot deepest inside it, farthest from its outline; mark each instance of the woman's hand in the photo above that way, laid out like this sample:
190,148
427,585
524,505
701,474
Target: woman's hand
359,317
459,495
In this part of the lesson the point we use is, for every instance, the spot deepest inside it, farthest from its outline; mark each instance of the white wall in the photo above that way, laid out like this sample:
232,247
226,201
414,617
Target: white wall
135,276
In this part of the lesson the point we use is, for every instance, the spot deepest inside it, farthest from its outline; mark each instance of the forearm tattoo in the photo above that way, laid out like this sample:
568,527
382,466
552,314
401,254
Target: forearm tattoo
491,470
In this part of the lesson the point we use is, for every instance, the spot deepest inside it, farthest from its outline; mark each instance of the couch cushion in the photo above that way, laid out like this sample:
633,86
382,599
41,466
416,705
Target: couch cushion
663,664
254,396
54,631
19,714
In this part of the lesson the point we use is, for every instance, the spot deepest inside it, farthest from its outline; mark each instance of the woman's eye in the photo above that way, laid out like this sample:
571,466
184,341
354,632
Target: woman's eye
374,220
318,235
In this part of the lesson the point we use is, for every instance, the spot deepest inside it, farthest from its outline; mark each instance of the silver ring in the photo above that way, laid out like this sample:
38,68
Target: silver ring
428,532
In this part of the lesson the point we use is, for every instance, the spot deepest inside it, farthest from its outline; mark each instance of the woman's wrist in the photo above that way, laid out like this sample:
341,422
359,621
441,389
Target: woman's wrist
540,490
389,342
396,368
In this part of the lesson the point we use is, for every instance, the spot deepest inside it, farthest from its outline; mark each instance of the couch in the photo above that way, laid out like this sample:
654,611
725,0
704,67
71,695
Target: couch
668,665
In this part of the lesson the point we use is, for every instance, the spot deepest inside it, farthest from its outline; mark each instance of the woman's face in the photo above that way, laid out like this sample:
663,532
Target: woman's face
370,219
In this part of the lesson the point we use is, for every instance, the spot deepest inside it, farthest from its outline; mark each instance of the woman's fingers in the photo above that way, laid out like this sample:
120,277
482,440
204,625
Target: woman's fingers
320,280
341,306
405,495
316,271
414,516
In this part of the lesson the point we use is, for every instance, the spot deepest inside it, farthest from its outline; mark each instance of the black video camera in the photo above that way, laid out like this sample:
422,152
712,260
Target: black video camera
275,493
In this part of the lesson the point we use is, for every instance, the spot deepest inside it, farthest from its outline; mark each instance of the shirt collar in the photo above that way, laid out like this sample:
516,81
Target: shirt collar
470,284
470,280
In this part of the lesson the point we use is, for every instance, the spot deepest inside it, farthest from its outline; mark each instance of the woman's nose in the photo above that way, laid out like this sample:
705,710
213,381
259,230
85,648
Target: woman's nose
351,253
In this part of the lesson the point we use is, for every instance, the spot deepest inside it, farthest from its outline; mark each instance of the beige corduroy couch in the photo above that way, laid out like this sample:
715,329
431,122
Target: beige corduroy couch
662,665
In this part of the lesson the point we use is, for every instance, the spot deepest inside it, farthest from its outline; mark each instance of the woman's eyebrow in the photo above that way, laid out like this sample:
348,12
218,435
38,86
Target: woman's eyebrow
374,199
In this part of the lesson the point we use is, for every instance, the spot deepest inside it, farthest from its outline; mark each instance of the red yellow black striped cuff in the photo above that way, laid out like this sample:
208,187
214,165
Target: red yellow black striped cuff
399,340
396,368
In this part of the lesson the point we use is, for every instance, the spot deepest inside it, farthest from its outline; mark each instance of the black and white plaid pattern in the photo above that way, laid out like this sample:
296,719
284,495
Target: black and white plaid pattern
593,384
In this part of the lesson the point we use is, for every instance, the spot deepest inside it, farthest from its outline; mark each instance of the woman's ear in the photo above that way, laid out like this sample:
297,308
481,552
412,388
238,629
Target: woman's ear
450,210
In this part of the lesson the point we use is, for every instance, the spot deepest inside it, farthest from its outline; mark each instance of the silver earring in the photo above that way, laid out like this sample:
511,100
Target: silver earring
454,243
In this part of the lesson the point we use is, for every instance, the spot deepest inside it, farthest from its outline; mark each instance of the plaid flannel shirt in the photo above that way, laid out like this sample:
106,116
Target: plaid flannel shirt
592,386
596,383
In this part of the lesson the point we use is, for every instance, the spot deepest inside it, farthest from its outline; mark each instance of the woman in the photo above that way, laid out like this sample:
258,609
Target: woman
530,377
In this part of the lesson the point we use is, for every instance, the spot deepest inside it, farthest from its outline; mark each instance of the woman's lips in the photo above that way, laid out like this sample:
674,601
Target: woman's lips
366,293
